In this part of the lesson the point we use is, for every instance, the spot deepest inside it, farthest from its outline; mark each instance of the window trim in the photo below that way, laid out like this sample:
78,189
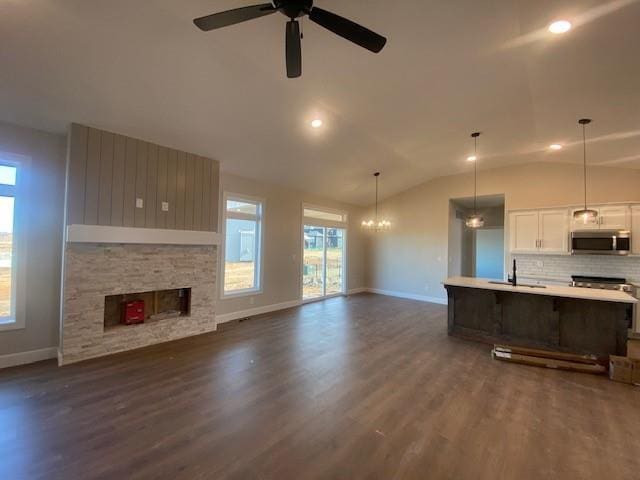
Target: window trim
16,321
325,223
259,218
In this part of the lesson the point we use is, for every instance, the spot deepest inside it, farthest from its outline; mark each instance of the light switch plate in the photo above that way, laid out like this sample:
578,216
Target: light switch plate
165,206
139,203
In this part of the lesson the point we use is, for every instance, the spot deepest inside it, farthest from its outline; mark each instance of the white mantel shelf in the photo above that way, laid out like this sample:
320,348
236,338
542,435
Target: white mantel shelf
129,235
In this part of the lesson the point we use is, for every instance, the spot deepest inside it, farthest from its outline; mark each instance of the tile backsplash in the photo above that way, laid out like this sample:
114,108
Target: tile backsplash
561,267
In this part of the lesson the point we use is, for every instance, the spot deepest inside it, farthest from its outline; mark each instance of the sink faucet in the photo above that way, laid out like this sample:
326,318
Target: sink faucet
513,279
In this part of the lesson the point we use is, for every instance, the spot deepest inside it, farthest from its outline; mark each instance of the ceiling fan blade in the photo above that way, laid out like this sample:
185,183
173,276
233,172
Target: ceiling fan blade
294,50
347,29
231,17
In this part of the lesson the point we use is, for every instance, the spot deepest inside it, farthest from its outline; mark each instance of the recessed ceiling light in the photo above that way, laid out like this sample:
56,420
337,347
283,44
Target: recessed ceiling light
555,146
471,158
560,26
317,123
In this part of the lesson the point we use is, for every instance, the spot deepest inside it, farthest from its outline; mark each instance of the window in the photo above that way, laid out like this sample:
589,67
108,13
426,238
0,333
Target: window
242,247
8,179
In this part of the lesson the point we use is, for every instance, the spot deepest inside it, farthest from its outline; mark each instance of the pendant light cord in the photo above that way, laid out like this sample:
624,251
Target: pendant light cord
584,162
475,176
376,220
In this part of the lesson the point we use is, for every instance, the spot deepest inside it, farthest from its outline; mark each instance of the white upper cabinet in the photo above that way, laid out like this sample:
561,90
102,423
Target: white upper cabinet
553,231
539,231
635,229
523,232
615,217
610,217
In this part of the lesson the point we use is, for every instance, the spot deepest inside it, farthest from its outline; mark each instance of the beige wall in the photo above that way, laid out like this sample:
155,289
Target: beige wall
412,257
44,207
283,242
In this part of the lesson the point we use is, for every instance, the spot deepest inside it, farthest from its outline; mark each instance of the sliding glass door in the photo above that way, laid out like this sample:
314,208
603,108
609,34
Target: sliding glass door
323,262
334,261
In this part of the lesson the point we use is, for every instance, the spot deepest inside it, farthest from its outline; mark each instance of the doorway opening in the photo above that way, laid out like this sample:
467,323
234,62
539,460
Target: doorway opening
477,252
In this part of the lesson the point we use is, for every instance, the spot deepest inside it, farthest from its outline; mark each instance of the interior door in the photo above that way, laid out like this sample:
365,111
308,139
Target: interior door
489,253
553,231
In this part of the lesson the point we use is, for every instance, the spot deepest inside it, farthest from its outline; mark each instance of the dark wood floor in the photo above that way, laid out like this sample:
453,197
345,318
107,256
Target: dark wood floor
365,387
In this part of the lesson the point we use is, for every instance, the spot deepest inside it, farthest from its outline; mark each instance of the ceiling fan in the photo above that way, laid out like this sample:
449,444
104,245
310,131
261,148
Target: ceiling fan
294,9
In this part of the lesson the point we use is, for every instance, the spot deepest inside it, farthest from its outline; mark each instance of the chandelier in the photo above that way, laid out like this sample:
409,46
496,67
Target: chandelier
375,223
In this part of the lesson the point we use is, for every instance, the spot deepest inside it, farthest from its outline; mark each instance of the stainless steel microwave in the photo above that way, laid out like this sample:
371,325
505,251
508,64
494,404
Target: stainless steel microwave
601,242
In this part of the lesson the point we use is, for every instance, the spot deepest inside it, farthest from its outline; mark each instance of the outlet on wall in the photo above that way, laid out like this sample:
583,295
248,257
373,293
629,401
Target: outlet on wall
139,203
252,300
539,263
165,206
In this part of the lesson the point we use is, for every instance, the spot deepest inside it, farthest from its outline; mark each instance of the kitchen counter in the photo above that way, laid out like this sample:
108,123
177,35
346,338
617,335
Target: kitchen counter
548,290
562,318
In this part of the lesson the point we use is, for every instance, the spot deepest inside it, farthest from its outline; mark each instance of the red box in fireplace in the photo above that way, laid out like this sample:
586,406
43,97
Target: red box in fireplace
133,312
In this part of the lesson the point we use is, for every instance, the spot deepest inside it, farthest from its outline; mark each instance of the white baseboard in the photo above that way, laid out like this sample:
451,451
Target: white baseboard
252,312
24,358
355,291
409,296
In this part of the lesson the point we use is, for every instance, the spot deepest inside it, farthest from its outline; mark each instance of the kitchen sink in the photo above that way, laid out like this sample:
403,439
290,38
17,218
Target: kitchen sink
496,282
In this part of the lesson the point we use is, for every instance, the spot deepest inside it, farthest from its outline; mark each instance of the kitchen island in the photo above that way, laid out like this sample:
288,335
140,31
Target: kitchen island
563,318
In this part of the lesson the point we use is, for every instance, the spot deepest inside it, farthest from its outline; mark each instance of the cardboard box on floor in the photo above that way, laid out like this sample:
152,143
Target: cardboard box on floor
633,348
635,375
620,369
626,369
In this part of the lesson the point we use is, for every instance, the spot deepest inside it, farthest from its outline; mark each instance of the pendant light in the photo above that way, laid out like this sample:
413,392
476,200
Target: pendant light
375,224
585,215
475,220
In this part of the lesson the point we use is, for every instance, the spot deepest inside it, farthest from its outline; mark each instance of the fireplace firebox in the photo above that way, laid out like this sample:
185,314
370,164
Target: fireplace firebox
125,309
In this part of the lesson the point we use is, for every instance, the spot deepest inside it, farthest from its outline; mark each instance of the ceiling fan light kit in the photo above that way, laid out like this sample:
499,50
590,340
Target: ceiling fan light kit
294,9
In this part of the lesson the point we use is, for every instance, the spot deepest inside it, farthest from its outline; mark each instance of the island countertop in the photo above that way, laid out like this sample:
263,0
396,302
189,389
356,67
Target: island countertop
549,290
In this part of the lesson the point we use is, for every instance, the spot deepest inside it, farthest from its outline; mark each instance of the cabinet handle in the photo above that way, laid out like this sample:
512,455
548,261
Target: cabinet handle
540,241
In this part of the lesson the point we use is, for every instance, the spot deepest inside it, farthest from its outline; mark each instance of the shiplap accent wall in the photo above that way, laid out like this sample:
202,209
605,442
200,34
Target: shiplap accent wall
107,172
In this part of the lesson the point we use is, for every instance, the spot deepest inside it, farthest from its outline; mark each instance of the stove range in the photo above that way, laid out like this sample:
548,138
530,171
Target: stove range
605,283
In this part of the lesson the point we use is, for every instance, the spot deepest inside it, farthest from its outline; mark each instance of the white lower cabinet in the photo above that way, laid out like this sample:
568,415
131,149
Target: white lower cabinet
539,231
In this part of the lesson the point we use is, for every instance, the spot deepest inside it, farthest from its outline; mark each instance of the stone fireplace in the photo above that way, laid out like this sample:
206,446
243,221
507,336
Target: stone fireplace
102,263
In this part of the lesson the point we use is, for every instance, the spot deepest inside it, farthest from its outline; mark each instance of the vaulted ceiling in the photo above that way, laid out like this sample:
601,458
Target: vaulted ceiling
449,68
